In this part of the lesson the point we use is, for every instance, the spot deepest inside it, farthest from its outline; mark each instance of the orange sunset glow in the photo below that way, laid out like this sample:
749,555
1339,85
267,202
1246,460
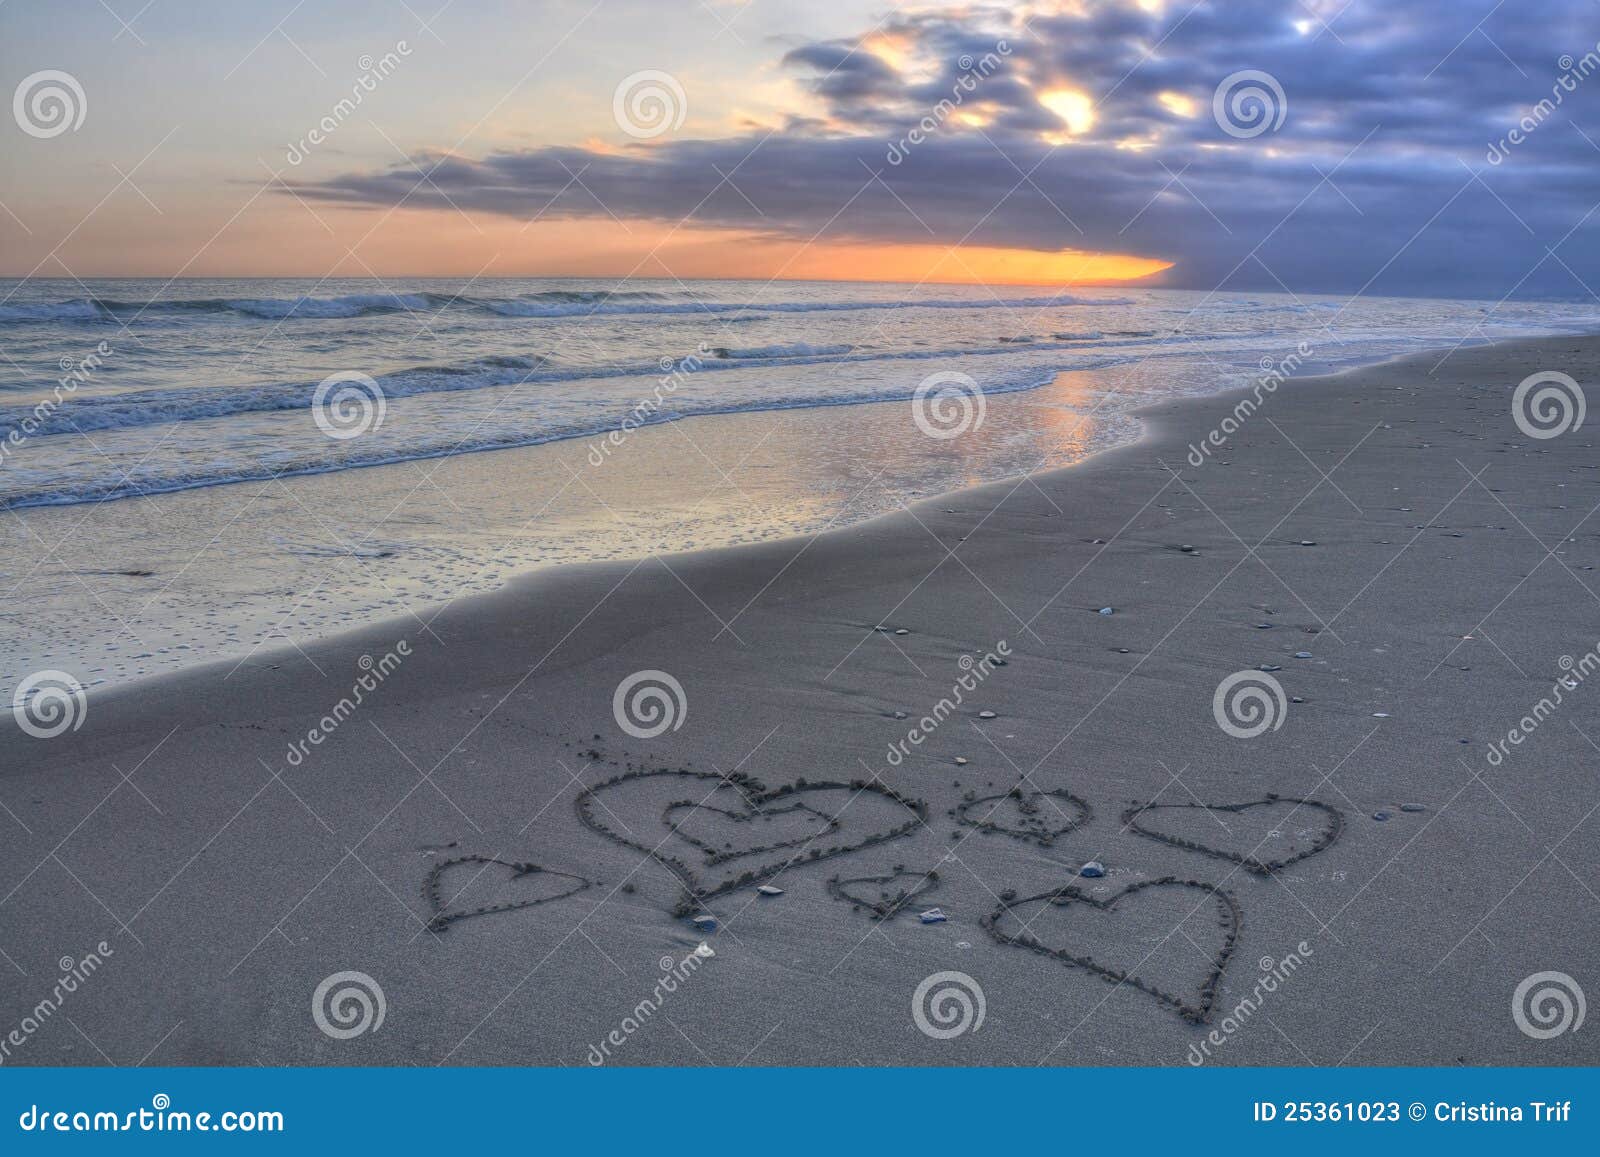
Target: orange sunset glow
285,238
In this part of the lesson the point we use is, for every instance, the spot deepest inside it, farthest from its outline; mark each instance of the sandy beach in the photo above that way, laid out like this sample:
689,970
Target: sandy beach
955,706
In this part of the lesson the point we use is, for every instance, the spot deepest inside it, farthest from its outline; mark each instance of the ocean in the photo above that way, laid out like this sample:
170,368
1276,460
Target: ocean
198,470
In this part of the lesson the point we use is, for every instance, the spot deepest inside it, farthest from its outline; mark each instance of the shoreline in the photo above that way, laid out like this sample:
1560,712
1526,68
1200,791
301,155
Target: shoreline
526,571
1148,418
1338,526
1037,379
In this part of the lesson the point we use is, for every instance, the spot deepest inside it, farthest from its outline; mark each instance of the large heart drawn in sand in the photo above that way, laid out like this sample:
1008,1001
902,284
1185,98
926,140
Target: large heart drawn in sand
1145,818
822,824
737,799
507,886
1094,926
1040,816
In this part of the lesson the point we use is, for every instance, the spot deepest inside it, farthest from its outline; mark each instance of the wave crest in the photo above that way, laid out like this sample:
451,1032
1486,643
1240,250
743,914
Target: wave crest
556,303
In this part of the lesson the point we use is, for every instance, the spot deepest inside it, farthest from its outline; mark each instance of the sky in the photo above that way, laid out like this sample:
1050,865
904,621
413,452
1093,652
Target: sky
1403,147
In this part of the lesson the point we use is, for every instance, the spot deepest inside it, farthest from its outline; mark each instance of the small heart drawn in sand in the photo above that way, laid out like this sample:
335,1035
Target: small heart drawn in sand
1040,816
885,897
737,799
1277,811
501,882
1112,937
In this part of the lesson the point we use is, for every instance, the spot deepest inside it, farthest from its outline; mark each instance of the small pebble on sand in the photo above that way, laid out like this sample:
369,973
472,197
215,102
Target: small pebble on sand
933,916
1093,870
770,890
1106,611
986,715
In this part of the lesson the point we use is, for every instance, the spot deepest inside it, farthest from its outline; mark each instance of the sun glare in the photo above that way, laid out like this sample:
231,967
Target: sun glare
1074,108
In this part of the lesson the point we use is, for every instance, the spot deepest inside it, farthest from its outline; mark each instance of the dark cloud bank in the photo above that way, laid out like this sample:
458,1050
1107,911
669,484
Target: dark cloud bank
1414,155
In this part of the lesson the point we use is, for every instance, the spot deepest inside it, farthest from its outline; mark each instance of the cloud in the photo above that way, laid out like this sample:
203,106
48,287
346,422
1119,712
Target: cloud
1094,130
845,78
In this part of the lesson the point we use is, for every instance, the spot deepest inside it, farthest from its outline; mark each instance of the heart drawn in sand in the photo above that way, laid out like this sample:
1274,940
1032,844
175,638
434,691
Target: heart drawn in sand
1328,821
504,879
822,824
884,896
1193,895
738,799
1040,816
